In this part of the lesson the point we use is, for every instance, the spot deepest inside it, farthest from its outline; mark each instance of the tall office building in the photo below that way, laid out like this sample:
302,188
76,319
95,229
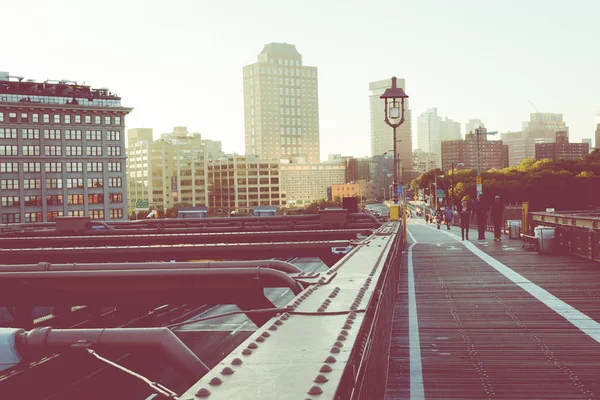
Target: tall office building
472,125
449,130
170,170
598,136
62,151
382,137
428,135
588,141
281,107
492,154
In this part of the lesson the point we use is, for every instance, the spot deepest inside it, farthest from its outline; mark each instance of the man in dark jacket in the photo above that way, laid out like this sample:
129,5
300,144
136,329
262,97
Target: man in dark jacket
465,216
480,211
497,216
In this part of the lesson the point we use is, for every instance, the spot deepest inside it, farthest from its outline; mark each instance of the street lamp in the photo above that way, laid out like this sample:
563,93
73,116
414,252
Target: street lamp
394,117
480,131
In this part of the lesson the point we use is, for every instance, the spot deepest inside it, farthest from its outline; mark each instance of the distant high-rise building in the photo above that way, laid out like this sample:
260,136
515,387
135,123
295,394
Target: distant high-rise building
541,128
472,125
423,162
382,137
493,153
281,107
449,130
429,126
598,136
62,151
304,183
588,141
561,149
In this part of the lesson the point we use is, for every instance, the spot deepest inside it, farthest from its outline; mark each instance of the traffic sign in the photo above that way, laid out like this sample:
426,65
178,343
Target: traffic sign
479,188
478,180
440,193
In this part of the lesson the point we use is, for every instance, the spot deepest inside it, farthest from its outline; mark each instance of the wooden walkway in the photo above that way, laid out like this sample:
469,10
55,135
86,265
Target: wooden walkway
494,321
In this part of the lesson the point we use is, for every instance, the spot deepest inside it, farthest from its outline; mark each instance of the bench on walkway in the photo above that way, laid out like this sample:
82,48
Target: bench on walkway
530,242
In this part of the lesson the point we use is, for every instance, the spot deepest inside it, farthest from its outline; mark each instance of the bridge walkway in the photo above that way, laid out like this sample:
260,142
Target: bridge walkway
490,320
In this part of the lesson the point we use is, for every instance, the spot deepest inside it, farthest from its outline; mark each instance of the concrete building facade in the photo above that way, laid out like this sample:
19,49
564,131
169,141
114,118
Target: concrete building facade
424,162
168,171
281,106
62,151
382,137
472,125
598,136
305,183
493,153
365,191
561,149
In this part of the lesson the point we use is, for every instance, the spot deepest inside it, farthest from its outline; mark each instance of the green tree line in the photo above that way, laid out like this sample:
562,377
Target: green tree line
560,184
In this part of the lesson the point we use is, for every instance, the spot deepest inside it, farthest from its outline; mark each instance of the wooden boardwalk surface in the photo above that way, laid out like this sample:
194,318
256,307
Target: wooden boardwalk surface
494,322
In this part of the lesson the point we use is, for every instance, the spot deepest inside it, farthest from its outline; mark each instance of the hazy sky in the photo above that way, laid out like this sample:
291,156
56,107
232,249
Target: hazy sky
180,62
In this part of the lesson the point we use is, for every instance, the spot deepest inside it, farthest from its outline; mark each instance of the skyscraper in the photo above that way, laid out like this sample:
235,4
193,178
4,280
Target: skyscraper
472,125
281,107
428,134
598,136
382,139
62,151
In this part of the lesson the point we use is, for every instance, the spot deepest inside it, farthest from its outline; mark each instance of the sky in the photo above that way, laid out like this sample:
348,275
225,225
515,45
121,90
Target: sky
179,63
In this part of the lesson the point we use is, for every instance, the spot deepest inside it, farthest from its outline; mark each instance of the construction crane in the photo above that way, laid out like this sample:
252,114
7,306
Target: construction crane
534,107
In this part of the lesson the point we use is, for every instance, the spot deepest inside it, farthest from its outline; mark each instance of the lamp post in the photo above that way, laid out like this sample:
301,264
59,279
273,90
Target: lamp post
480,131
394,117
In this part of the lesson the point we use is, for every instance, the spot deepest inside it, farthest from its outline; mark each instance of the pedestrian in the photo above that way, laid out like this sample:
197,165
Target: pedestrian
465,216
426,218
439,217
480,211
497,216
449,217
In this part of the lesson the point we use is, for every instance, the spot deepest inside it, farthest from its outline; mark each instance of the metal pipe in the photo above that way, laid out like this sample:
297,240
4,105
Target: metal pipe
278,265
183,359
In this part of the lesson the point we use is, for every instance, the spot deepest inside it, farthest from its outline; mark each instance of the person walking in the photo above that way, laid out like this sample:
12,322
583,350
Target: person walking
439,217
465,216
480,211
497,217
449,217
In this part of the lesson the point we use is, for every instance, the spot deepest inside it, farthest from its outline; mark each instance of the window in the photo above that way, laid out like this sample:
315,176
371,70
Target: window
73,151
54,183
75,213
74,166
32,184
9,184
96,120
54,200
94,167
95,198
35,118
94,151
118,121
67,118
46,118
71,134
12,117
31,167
9,167
52,134
112,182
8,151
114,167
52,150
11,218
115,197
24,117
10,201
95,183
113,151
57,118
52,215
53,167
8,133
31,150
32,200
1,117
33,217
73,183
75,199
93,135
115,213
106,120
30,133
113,135
97,214
77,119
88,119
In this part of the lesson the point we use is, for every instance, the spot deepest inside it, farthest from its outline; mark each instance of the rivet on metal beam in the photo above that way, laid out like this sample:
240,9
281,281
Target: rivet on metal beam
246,352
321,309
260,339
341,337
338,344
326,368
330,360
352,315
203,393
349,321
272,328
346,326
254,345
236,361
215,381
278,322
315,390
353,308
334,350
265,334
345,333
227,371
321,379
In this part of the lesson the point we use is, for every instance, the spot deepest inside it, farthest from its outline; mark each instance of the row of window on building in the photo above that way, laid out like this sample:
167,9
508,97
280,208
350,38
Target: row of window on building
58,199
73,151
55,134
36,216
26,118
94,166
59,183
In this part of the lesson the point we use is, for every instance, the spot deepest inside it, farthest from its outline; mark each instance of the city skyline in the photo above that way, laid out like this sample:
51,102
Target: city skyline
183,64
